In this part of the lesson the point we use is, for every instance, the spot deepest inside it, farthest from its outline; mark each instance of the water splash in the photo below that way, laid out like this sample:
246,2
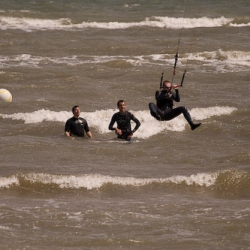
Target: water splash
100,119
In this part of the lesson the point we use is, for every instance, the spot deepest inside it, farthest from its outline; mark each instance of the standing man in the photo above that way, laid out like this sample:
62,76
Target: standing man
123,118
75,126
164,110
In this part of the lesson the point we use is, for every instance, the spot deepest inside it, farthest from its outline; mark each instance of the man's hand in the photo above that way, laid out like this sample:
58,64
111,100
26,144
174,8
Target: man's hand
118,131
67,134
129,137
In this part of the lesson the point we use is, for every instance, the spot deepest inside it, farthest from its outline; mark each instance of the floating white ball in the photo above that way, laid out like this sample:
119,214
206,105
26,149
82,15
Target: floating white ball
5,95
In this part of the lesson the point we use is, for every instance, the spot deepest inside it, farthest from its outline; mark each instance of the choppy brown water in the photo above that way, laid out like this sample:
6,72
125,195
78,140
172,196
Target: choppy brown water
171,188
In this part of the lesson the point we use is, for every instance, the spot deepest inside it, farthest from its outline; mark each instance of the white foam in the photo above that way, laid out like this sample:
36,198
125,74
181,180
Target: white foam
205,113
178,23
239,25
100,119
220,57
40,116
220,60
6,182
31,24
95,181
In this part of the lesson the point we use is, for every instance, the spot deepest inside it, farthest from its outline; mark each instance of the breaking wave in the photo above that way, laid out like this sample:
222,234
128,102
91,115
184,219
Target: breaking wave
34,24
100,119
232,182
222,61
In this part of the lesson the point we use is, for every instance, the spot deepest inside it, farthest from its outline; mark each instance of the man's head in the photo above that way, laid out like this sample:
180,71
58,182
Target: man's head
76,111
121,105
167,85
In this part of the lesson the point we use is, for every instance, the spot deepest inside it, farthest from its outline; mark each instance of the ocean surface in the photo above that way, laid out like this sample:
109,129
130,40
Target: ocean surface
171,187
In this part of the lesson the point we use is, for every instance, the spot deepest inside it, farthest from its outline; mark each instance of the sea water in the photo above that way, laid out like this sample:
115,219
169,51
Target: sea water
171,187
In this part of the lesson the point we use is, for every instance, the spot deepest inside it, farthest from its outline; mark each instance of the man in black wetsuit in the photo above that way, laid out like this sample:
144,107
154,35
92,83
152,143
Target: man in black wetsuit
164,110
123,118
75,126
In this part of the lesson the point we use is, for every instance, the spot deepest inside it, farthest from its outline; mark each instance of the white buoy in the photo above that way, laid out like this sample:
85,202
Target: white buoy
5,95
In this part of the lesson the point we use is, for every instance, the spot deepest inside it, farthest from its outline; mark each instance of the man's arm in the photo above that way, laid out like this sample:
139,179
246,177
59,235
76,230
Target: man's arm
89,134
159,96
112,122
176,95
86,128
111,125
67,128
157,93
137,122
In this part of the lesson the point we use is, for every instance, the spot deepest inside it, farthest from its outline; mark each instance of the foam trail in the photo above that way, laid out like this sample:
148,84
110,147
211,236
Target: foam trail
6,182
100,119
33,24
220,57
96,181
40,116
229,181
205,113
228,60
239,25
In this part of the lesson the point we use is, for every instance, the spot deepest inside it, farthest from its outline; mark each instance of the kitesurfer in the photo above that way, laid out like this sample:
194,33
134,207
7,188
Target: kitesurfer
123,118
164,111
76,125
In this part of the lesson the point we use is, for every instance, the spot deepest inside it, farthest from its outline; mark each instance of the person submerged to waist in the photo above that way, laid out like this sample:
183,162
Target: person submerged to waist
123,118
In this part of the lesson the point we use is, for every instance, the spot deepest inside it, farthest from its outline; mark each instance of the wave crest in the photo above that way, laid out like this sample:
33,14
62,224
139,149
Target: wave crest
31,24
230,182
100,119
96,181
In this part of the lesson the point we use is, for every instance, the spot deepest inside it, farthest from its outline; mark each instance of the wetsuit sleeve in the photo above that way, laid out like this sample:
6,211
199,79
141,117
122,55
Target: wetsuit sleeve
157,93
86,127
67,126
176,96
137,122
112,122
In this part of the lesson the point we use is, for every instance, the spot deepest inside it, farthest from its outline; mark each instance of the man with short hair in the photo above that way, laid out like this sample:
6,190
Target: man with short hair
76,125
123,118
164,111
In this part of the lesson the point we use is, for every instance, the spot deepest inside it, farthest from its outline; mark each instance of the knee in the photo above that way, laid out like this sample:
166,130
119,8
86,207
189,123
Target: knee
184,109
150,104
152,107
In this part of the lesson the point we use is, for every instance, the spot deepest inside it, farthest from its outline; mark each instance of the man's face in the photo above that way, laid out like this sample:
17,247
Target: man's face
122,107
76,112
167,86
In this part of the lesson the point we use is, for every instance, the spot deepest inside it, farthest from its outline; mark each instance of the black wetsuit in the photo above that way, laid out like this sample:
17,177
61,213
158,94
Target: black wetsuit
76,126
123,123
164,110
